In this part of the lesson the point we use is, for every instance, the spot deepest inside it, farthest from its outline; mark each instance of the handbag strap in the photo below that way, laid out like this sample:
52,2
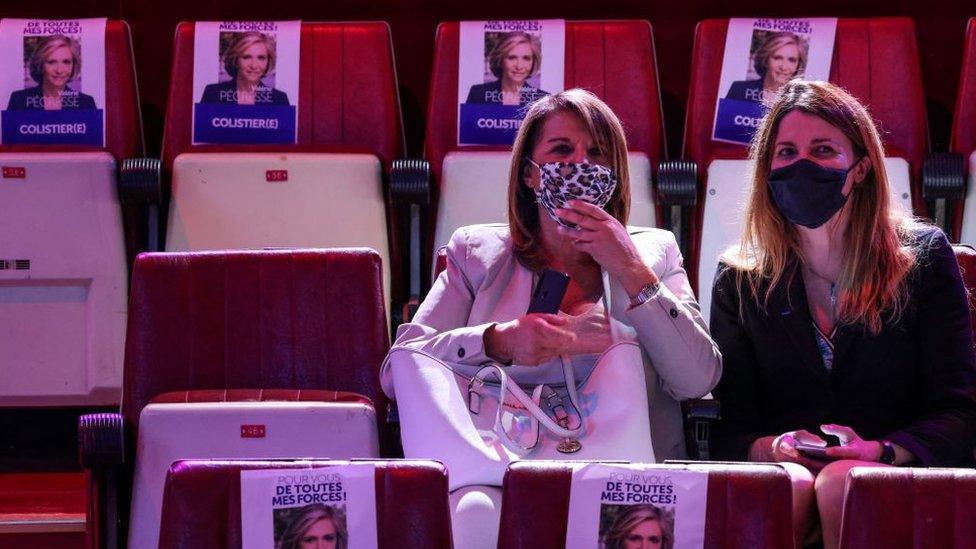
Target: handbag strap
530,404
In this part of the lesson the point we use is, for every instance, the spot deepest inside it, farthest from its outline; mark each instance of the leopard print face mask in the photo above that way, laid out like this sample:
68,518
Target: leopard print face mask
560,182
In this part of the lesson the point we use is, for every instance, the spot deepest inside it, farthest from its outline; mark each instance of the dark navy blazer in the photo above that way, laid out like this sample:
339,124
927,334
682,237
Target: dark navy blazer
911,384
491,92
746,90
226,92
33,98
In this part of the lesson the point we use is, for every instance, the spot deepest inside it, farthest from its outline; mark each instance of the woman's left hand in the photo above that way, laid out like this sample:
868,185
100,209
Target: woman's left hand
606,240
852,446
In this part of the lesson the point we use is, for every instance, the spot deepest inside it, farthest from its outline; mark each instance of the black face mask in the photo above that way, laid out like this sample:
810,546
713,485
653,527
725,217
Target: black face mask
807,193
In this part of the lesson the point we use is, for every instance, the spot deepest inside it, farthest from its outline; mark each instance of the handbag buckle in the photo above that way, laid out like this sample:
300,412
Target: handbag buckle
474,395
567,445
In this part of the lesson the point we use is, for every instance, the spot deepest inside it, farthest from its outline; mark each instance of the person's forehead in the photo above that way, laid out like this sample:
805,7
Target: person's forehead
801,127
562,124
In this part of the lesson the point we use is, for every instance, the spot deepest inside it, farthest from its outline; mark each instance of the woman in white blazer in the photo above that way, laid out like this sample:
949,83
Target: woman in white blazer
569,145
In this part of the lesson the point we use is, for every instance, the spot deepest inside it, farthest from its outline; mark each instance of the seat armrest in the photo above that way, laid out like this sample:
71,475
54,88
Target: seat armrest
677,183
699,417
141,182
944,176
410,182
101,441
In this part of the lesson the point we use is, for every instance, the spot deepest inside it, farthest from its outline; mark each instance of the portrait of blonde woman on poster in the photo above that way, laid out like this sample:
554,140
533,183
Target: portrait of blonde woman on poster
515,58
54,63
248,59
838,315
642,526
780,57
315,526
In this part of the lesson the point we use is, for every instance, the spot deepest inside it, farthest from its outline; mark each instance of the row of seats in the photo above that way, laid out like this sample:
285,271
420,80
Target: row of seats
229,354
64,287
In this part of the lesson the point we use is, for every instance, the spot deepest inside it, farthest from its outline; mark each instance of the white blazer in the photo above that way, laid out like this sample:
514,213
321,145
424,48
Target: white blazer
484,284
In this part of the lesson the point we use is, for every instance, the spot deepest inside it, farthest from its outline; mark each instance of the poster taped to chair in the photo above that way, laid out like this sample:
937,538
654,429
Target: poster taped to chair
630,505
52,82
245,82
761,55
503,67
320,507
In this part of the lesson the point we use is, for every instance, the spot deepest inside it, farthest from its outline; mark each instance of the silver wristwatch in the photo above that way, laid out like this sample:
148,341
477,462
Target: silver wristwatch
646,293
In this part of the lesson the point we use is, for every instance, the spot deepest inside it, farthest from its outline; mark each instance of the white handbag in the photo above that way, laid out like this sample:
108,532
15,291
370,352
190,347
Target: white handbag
477,425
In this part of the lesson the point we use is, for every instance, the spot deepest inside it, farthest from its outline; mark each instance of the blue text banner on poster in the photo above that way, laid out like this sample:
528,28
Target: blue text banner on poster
64,127
244,124
490,124
738,120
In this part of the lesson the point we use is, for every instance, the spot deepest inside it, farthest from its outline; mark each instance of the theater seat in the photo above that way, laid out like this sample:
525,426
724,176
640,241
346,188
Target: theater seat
328,189
470,183
864,50
63,265
202,507
748,505
963,143
904,508
238,354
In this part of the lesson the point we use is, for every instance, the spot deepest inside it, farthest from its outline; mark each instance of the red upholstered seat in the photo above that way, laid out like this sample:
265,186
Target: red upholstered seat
966,256
347,103
748,505
865,50
259,395
901,508
964,119
299,323
62,225
202,503
613,59
123,124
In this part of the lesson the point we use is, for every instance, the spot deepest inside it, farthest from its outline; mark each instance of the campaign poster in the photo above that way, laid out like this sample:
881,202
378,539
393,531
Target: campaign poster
761,55
322,507
621,506
504,67
52,82
245,82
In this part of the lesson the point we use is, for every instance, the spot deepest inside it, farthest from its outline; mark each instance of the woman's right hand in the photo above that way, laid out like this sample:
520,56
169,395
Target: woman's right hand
530,340
783,448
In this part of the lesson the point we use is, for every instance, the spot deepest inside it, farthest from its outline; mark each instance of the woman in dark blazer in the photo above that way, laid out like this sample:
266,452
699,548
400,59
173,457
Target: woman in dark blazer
837,313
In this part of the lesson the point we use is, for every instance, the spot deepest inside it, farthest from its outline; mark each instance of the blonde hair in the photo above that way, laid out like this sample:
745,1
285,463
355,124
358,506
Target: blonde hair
243,41
773,42
634,516
505,45
879,246
607,132
46,46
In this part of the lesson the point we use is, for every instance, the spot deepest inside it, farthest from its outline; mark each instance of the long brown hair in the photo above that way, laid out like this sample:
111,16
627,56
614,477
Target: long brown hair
879,249
607,132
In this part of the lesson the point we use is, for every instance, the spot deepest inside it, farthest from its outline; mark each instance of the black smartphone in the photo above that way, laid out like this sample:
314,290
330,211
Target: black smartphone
549,292
817,451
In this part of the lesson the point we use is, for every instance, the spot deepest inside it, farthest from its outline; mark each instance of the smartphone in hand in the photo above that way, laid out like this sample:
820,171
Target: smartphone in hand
816,450
549,292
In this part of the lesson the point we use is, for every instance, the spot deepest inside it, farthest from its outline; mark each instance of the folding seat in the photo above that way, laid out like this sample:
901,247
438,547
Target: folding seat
613,59
202,506
328,189
864,52
238,354
903,508
959,168
748,505
63,265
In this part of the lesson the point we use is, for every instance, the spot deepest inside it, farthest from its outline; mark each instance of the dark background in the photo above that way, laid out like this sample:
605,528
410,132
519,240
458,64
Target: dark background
940,28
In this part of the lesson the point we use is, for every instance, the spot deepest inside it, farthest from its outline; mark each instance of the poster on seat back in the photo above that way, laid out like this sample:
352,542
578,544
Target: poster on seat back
321,507
245,82
52,82
503,67
761,55
633,505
